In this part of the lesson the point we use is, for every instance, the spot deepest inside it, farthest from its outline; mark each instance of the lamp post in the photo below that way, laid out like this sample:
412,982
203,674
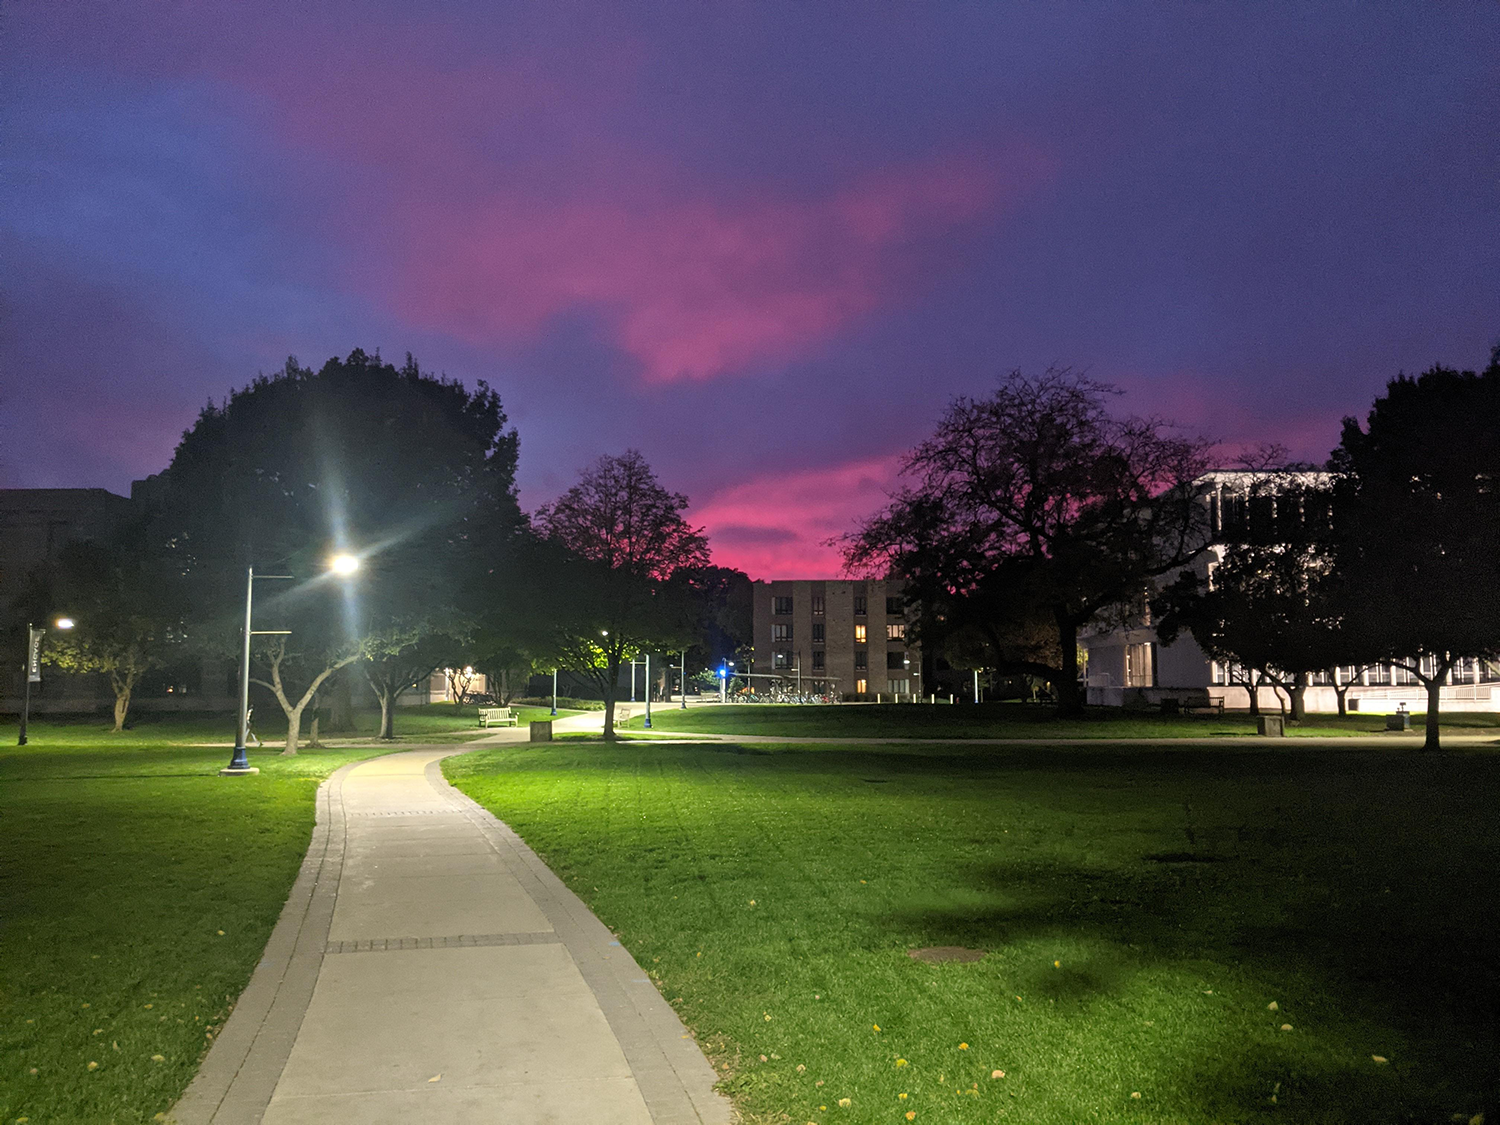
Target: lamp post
33,668
554,691
239,763
648,690
682,678
976,685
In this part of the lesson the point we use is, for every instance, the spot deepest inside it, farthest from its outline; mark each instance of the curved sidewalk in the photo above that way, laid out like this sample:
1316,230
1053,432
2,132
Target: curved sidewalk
429,967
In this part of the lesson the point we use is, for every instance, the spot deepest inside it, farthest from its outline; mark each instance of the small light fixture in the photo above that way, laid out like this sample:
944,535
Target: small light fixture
343,565
64,622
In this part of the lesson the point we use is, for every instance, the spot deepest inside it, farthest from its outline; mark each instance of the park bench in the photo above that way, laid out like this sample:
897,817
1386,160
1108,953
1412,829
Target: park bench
497,717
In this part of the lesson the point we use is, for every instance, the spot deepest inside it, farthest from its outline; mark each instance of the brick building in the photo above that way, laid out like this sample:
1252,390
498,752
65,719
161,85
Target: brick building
848,638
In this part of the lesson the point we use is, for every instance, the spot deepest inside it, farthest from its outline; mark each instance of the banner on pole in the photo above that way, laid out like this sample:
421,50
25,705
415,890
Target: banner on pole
34,656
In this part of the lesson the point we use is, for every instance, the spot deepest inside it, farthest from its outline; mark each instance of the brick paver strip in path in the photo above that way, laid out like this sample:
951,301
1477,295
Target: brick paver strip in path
429,967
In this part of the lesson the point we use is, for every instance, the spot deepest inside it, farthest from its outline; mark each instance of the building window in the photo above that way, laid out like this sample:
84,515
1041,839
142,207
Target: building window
900,687
781,632
860,605
895,632
1378,674
783,607
817,605
818,661
1489,671
862,658
861,634
818,632
781,660
896,659
1405,677
861,687
1139,667
893,607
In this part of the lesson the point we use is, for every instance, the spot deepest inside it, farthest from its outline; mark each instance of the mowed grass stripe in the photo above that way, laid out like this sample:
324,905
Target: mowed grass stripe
1139,912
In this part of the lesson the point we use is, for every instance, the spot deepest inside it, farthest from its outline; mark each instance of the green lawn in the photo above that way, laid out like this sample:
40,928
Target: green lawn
139,889
1151,920
1005,720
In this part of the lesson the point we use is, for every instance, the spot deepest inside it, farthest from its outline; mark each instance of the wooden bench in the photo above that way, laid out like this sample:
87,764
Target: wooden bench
497,717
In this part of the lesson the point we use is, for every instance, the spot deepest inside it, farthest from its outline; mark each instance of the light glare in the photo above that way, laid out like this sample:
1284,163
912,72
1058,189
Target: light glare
64,622
343,564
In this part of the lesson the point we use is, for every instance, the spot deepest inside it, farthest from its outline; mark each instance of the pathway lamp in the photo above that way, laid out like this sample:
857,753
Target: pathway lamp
648,690
682,677
33,667
554,691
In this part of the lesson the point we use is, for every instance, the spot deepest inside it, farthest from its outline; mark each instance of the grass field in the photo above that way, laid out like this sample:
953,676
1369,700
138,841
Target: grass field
1008,720
1177,936
139,889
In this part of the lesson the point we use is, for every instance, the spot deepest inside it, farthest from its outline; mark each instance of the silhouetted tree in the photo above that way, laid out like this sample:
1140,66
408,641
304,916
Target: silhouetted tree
411,472
1036,504
612,545
1418,521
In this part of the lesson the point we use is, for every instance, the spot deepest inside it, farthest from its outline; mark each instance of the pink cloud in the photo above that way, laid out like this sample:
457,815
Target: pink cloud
778,525
692,288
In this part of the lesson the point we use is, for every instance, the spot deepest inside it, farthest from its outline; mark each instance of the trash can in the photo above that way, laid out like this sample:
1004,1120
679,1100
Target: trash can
1398,720
541,730
1272,726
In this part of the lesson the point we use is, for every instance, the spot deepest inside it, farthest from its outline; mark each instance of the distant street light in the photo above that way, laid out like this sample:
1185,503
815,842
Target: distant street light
34,667
343,565
682,676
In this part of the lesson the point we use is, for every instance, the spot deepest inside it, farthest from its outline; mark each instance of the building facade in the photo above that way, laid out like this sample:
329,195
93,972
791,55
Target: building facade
1131,665
845,638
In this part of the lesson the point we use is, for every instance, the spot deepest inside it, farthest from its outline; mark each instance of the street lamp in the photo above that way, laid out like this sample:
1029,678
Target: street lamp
33,667
682,679
343,565
554,691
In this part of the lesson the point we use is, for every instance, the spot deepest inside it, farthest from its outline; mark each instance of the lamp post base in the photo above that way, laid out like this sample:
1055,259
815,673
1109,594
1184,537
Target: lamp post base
230,771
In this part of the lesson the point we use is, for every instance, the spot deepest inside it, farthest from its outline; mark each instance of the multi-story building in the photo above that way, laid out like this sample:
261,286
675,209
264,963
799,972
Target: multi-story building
1130,664
843,637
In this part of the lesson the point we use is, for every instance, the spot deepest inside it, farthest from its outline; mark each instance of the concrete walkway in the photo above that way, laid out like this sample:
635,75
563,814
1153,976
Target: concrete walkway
429,967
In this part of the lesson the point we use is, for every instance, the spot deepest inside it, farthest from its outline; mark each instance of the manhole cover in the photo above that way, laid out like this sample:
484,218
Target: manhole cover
935,953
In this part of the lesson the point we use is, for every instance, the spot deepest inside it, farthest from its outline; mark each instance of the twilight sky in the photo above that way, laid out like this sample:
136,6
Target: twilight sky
764,243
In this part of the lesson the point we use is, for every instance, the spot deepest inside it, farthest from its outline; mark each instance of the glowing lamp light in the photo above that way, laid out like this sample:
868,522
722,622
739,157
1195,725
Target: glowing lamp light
343,565
64,622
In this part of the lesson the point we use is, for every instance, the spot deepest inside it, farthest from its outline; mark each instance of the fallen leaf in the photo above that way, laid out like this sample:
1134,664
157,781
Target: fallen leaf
1380,1059
1057,964
901,1097
963,1046
876,1026
911,1115
93,1066
158,1058
1286,1027
997,1074
434,1078
845,1103
1272,1006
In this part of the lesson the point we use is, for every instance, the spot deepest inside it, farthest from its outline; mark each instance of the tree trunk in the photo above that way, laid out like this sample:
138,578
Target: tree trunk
1252,689
611,678
1434,693
387,715
340,705
1341,693
1299,697
293,730
313,741
1069,698
122,707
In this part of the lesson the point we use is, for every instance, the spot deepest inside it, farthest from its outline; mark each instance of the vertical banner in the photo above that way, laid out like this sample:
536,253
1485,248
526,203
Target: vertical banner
34,656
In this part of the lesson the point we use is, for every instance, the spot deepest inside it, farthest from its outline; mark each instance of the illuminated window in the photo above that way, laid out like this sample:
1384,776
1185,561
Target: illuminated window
895,632
783,607
861,686
901,687
861,634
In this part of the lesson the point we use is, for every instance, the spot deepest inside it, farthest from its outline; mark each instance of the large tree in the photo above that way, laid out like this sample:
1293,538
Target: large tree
1035,504
411,472
615,542
1418,520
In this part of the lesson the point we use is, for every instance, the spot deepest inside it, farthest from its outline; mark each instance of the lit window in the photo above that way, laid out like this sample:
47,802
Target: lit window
895,632
861,686
900,687
861,634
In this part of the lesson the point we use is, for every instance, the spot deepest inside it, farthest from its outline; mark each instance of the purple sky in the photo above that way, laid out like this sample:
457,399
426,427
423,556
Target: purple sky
763,243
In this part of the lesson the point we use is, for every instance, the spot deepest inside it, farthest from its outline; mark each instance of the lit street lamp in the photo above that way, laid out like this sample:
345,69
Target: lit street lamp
239,764
34,667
